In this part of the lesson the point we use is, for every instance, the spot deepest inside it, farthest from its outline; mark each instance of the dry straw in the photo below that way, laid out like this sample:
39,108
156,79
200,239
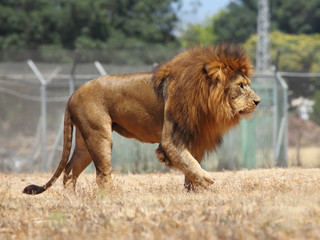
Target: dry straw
257,204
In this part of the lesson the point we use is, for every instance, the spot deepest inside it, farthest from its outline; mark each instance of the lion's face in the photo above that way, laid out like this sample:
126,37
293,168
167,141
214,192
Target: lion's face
243,100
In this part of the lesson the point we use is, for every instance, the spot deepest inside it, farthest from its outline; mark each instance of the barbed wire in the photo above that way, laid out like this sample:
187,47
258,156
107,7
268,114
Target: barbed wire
299,74
26,77
32,98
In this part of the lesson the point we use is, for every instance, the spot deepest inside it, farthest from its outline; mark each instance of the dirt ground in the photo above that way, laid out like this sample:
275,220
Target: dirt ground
255,204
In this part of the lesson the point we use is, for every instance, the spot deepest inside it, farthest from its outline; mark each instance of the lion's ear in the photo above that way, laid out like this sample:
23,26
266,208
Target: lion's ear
204,70
160,74
213,72
207,70
160,77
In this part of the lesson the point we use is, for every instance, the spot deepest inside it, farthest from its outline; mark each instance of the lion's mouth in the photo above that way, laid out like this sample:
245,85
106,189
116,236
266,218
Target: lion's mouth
246,114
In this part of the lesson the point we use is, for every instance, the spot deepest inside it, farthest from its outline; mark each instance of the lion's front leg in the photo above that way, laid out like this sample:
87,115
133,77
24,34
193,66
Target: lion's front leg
187,182
164,159
184,161
181,157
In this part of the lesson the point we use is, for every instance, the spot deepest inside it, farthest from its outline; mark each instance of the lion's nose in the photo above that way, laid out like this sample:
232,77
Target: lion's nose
256,101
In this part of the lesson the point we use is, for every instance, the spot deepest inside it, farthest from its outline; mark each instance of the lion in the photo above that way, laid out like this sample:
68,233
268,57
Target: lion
186,105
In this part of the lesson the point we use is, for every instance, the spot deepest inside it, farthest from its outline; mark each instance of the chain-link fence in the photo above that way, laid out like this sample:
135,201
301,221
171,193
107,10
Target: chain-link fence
29,143
255,142
32,102
304,119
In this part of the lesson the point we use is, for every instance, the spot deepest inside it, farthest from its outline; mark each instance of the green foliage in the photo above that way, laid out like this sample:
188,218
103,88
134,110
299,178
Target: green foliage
295,16
86,24
54,53
239,20
299,53
150,54
198,34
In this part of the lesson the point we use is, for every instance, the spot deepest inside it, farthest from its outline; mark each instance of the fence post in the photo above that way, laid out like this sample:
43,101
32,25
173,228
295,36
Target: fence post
73,69
281,156
275,117
100,68
43,83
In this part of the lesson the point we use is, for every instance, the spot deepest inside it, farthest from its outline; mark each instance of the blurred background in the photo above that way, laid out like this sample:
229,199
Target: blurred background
48,48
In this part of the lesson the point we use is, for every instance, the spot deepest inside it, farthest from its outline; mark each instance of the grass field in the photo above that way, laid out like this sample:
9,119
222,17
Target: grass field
255,204
309,157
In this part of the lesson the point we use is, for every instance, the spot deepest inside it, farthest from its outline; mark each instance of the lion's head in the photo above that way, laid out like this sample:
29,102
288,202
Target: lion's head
242,99
207,91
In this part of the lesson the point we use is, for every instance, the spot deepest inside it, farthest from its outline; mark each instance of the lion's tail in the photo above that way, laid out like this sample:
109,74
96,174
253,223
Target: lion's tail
67,141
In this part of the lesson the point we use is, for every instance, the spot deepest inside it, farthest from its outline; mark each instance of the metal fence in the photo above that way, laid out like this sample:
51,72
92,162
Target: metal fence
259,142
33,98
304,119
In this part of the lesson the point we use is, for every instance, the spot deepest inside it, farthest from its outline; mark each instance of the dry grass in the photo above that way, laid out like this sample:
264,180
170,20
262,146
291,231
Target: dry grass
257,204
309,157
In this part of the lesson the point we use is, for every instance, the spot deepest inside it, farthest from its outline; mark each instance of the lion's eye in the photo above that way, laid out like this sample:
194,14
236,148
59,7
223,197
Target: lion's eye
241,85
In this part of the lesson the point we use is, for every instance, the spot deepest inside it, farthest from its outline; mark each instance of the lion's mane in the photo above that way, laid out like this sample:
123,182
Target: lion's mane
194,86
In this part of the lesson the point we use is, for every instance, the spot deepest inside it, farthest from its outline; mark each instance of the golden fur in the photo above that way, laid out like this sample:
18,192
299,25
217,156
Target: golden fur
186,105
196,82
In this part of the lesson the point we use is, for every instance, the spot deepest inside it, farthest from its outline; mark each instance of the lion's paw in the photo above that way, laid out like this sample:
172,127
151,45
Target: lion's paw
203,180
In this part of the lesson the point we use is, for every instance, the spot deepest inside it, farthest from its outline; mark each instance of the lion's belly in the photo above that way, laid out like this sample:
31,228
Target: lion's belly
142,120
140,133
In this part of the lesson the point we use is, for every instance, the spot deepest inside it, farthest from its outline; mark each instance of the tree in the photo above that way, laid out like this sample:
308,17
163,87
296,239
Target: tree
238,21
296,17
299,53
87,24
198,34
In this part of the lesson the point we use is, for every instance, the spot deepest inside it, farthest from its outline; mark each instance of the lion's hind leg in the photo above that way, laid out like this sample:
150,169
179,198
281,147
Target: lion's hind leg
98,139
79,161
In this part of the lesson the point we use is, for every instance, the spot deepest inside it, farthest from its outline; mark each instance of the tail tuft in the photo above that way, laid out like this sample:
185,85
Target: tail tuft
33,190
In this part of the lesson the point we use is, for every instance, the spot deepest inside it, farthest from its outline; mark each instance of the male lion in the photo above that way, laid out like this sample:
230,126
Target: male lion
186,105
